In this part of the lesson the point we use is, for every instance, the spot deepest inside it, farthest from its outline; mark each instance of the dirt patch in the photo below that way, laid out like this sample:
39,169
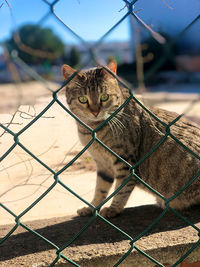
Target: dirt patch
28,93
23,248
83,163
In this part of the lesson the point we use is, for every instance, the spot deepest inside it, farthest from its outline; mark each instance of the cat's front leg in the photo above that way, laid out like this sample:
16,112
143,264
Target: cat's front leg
103,184
120,199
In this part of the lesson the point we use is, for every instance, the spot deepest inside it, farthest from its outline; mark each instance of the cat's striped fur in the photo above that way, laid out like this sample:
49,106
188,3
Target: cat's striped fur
131,134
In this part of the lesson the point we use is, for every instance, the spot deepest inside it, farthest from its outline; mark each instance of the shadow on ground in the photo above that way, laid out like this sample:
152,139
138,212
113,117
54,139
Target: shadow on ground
60,231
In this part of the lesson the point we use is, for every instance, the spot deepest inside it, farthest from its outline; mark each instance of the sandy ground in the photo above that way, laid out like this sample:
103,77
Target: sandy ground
53,139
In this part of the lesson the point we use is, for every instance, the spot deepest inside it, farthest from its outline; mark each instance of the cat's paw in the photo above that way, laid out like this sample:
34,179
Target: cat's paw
85,211
109,212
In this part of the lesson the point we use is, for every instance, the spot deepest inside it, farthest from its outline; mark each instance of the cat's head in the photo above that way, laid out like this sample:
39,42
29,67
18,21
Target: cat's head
93,94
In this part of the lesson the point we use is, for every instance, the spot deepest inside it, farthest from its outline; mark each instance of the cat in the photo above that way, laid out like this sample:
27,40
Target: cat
93,95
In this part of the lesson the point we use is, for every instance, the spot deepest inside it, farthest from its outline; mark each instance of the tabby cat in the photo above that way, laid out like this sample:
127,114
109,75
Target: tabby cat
93,95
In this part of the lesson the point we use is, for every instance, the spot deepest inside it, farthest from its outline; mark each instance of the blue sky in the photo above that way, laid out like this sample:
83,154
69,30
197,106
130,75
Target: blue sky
91,19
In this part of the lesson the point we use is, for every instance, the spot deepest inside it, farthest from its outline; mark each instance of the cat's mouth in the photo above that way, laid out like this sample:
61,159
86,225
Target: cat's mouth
97,117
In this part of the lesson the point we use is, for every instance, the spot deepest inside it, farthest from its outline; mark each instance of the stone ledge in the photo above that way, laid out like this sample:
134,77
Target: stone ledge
100,245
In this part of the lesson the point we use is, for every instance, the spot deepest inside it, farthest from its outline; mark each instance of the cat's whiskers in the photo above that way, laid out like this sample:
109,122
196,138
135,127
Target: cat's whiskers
123,115
116,126
118,123
112,127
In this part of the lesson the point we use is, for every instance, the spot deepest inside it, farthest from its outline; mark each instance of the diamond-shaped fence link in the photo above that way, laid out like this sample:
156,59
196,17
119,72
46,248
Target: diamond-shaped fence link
56,179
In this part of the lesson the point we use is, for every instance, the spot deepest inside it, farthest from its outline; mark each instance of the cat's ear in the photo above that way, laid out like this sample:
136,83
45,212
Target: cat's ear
112,65
67,71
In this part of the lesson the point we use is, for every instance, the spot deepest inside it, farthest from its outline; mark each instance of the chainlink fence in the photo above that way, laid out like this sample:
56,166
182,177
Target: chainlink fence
55,100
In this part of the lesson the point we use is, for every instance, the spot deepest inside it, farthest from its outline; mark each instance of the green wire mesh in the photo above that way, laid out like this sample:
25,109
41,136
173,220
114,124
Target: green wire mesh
56,180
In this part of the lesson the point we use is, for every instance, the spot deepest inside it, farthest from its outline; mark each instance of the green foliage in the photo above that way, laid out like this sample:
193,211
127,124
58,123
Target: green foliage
35,44
74,57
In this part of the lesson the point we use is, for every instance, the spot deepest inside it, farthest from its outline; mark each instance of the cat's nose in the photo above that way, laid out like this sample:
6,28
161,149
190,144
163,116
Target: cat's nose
95,113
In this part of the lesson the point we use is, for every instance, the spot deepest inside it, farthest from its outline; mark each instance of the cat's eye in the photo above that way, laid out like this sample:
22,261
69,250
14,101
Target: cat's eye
104,97
83,99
